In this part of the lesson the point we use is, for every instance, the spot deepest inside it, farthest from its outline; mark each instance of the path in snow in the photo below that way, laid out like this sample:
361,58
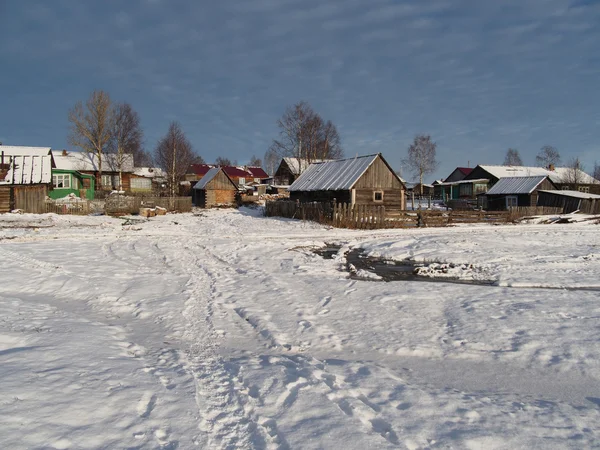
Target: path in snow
220,331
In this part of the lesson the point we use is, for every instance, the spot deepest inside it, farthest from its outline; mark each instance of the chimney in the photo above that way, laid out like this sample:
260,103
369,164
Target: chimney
64,153
551,167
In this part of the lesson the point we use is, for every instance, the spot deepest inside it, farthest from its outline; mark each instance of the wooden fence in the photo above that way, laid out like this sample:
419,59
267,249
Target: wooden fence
516,212
119,205
344,215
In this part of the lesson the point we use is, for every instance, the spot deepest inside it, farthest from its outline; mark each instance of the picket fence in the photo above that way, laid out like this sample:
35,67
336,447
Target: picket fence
344,215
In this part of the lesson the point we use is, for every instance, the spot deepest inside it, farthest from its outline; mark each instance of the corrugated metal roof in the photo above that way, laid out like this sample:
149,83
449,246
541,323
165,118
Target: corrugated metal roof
454,183
29,169
337,175
207,178
298,165
516,185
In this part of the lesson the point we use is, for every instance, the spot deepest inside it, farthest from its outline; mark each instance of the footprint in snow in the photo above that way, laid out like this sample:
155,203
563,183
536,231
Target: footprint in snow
146,404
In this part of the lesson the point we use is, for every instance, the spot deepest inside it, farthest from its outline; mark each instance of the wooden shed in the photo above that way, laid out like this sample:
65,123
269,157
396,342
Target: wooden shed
517,191
25,177
215,189
363,180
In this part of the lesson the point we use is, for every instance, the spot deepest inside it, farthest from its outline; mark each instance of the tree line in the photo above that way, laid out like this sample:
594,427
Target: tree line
100,127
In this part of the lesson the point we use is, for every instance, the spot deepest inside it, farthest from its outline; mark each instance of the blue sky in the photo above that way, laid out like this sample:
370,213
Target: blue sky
479,76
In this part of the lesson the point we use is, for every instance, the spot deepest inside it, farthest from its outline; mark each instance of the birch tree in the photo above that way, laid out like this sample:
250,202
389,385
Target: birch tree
421,159
305,135
574,175
126,139
90,127
548,156
513,158
174,154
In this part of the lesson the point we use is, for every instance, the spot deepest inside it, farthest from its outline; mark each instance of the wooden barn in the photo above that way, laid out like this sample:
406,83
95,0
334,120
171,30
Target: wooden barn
215,189
364,180
517,191
571,201
25,178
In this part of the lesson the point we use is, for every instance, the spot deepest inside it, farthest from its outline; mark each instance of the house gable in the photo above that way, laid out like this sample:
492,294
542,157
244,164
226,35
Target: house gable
378,175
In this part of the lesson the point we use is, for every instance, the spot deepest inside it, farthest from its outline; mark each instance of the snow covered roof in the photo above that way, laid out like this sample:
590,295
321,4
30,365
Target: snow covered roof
18,150
299,165
27,165
454,183
333,175
575,194
213,171
85,162
149,172
516,185
558,175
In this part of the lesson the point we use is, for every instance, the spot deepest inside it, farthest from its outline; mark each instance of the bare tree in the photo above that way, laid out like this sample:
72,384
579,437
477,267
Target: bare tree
221,161
421,158
574,175
513,158
174,155
255,162
303,134
126,139
271,161
596,174
90,127
548,156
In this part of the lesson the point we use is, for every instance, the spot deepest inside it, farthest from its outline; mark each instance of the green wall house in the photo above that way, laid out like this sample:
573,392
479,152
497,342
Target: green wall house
65,182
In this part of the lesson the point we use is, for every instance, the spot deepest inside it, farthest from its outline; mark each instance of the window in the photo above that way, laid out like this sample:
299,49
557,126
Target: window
242,181
378,196
110,181
511,201
585,189
61,181
142,184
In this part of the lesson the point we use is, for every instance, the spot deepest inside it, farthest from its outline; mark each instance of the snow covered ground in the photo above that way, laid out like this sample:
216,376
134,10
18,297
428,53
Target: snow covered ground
222,329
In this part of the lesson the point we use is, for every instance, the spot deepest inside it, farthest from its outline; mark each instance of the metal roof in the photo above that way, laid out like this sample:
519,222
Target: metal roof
339,175
516,185
575,194
454,183
18,150
207,178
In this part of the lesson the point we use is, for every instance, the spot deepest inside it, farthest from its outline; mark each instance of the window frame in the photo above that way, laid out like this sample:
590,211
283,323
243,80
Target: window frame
65,177
510,199
584,189
375,196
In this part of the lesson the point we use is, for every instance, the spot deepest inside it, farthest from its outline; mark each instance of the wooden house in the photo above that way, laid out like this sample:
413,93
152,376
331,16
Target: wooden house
458,174
364,180
238,175
25,178
516,191
290,169
148,180
215,189
564,178
196,171
116,172
257,174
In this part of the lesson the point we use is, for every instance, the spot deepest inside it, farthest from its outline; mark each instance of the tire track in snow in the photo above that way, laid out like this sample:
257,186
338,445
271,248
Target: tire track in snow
227,413
350,401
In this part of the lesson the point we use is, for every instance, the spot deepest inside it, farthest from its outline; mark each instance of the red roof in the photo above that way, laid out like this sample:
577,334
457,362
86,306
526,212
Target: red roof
257,172
232,171
465,170
200,169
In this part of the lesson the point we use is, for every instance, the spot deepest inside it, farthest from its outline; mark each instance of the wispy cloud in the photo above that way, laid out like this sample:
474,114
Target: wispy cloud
477,75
